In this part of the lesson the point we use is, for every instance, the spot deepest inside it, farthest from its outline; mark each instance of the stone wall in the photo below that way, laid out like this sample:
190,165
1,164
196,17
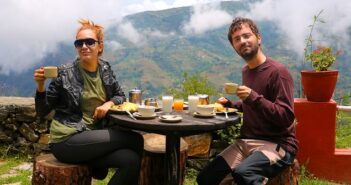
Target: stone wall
20,130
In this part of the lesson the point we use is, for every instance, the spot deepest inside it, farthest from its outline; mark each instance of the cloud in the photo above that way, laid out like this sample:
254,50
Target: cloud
154,5
206,17
31,29
128,31
294,16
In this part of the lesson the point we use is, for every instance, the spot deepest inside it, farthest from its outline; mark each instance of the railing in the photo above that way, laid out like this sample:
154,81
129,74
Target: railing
343,108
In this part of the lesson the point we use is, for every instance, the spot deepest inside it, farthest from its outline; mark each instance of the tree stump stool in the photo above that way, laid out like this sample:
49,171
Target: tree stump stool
47,170
289,176
152,165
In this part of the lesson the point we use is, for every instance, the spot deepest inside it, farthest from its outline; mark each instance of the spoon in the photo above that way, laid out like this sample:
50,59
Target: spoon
226,113
131,115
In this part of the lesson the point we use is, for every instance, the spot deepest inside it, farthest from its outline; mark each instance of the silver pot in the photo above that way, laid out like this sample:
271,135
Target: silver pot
151,102
135,96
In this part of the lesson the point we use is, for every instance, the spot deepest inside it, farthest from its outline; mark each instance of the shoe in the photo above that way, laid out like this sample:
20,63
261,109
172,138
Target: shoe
99,173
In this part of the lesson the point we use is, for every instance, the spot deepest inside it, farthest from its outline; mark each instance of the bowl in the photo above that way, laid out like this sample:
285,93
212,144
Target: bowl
146,110
205,109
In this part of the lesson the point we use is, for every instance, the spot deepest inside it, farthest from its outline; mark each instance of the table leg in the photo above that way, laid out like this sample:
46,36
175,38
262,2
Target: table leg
172,160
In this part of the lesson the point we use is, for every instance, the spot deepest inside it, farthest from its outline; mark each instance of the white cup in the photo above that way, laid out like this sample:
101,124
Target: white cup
205,109
50,71
230,88
146,110
167,102
193,102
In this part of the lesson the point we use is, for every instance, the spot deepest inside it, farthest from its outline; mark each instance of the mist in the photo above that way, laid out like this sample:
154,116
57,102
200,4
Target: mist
293,18
31,29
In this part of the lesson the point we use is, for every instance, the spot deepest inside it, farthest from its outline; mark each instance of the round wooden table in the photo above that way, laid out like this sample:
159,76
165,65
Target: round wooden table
190,125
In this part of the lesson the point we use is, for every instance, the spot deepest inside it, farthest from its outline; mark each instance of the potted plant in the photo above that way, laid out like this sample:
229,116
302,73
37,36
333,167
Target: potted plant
319,84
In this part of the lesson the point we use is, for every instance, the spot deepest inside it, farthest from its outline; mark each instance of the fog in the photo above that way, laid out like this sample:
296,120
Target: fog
32,28
294,17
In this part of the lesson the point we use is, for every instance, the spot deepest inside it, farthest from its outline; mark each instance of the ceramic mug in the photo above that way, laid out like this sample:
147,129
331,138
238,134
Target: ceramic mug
50,71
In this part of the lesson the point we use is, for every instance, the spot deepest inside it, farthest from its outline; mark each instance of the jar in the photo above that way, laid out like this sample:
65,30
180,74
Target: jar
135,96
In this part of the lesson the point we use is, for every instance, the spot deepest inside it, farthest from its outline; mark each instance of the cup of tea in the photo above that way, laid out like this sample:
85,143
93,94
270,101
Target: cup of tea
50,71
230,88
146,110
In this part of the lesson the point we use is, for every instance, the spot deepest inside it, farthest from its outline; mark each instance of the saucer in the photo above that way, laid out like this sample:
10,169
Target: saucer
196,114
170,118
139,116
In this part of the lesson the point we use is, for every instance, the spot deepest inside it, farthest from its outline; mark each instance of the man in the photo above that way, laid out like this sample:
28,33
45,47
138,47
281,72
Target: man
267,143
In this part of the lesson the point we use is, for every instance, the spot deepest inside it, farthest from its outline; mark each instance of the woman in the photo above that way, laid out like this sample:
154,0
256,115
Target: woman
81,95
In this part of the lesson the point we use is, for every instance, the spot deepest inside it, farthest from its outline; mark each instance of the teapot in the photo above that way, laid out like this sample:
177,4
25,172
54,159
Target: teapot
204,99
135,96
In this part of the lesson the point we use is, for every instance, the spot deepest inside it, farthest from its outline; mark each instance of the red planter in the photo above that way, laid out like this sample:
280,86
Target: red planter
319,86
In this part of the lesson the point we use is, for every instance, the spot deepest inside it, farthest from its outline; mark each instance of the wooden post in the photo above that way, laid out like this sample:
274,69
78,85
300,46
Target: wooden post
289,176
47,170
152,165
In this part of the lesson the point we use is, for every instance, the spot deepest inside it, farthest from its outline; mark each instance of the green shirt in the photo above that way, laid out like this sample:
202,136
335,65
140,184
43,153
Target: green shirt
94,95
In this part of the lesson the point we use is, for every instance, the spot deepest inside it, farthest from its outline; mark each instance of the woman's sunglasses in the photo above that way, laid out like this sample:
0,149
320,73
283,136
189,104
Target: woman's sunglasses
88,42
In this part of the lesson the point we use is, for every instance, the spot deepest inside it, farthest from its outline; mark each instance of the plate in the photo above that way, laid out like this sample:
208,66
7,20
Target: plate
170,118
117,111
230,111
138,116
196,114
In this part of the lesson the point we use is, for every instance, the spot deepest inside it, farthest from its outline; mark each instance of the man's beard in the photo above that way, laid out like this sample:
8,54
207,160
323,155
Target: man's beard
251,54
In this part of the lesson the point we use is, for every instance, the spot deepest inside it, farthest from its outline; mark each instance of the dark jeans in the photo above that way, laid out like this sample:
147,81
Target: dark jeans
253,170
106,148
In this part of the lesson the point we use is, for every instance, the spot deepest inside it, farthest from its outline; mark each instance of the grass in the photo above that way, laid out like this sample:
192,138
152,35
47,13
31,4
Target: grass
6,166
343,130
23,176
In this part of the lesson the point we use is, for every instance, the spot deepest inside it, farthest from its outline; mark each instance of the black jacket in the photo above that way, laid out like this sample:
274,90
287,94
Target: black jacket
65,92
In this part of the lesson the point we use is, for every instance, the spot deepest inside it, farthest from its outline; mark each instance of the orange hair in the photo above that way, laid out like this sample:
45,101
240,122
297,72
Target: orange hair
97,29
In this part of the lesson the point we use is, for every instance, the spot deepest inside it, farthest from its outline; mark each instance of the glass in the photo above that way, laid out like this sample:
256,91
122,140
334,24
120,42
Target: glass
88,42
167,102
178,104
193,102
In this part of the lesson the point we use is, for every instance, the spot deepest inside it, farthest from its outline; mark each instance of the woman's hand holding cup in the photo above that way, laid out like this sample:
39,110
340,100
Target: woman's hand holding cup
40,79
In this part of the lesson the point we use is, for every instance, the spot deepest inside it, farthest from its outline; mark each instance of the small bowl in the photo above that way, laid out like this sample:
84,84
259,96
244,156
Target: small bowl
146,110
205,109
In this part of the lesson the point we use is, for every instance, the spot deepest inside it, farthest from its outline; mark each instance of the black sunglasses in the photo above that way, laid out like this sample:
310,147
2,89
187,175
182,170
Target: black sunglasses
88,42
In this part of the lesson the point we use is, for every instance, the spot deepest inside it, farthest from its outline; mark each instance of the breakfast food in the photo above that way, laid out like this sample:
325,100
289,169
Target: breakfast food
131,107
218,107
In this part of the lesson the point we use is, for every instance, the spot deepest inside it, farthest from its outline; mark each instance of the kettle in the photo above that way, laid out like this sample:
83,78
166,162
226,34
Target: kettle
135,96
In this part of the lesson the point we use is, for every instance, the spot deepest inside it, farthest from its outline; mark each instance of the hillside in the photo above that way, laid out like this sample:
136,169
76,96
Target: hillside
159,62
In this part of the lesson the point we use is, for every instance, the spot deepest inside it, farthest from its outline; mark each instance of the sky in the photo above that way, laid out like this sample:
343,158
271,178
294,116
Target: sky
32,28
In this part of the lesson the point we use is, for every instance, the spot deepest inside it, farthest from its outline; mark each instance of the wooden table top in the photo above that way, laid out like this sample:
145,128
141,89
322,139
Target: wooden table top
189,125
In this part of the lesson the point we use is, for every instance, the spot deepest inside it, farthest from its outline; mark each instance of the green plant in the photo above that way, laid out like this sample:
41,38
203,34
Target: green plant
230,134
321,57
193,84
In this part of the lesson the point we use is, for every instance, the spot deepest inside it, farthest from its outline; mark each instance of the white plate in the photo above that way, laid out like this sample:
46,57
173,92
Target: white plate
170,118
196,114
138,116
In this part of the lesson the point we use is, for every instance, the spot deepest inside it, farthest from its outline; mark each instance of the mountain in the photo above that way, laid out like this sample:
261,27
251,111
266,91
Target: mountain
159,62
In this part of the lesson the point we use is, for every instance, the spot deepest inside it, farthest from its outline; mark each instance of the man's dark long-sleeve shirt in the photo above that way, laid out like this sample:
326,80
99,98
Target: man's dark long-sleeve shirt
268,110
